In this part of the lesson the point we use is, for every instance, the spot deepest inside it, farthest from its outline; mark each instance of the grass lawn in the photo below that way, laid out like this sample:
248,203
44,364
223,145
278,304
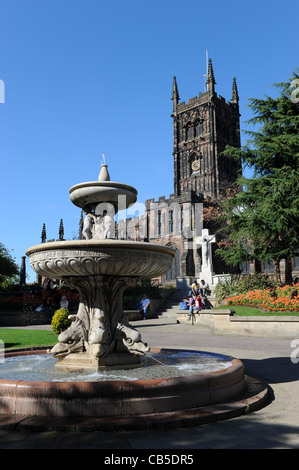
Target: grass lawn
250,311
19,338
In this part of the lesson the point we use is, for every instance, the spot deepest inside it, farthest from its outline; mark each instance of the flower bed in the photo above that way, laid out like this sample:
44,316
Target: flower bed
277,300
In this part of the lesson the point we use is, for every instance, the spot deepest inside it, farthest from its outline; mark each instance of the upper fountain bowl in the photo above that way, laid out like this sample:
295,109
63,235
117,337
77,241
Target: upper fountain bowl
92,193
89,194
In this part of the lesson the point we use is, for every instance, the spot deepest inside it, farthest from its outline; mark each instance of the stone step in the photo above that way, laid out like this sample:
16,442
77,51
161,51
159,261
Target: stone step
171,308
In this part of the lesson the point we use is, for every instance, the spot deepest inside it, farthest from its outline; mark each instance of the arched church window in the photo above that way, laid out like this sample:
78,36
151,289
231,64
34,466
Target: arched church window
182,218
179,133
189,131
170,221
198,128
175,270
159,223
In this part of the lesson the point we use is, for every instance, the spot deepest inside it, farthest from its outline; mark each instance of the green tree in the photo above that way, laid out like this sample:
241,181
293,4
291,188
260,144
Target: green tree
8,268
263,219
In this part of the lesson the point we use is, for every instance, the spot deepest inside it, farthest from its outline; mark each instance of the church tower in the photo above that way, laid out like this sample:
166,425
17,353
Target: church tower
202,127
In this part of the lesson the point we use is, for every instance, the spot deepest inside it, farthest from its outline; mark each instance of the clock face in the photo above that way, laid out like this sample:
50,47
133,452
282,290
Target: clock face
196,165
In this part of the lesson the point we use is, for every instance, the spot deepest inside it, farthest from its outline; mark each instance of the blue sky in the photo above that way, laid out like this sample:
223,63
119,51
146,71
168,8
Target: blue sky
86,77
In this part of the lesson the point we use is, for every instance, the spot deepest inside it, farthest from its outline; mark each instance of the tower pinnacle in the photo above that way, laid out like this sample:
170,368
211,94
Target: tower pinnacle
235,95
61,230
44,235
175,94
211,79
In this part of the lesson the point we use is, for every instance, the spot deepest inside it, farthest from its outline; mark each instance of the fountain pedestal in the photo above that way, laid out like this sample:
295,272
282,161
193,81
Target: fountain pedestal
79,361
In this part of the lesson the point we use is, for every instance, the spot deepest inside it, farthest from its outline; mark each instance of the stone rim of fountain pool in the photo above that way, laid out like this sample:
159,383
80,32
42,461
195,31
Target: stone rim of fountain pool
125,405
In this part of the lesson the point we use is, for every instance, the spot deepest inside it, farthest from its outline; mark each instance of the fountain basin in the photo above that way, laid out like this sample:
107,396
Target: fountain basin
57,260
121,398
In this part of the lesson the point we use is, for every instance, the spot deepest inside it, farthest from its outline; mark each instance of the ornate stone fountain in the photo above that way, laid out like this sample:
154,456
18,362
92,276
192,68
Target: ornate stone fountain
100,268
99,338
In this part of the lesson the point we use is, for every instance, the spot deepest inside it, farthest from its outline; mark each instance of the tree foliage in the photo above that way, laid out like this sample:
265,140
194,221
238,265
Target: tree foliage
8,268
262,220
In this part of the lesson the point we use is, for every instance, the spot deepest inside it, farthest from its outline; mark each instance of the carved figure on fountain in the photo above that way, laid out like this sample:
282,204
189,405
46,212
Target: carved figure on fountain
99,327
88,226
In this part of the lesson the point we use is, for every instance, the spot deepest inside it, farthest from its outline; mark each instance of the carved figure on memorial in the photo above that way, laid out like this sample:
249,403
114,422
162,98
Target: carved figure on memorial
205,241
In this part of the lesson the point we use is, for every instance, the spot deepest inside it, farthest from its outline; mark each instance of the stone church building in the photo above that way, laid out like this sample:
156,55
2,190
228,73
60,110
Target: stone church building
202,127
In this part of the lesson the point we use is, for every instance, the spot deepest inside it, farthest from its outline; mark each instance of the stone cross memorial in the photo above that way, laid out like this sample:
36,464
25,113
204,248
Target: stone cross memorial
205,241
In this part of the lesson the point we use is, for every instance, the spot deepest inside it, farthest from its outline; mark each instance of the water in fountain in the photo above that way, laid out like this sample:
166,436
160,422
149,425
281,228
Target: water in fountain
166,363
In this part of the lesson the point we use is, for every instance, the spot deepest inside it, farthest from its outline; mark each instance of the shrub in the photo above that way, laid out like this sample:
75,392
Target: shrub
60,321
225,288
240,284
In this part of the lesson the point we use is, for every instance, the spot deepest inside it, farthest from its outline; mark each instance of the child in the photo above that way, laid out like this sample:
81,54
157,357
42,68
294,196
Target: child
190,303
198,303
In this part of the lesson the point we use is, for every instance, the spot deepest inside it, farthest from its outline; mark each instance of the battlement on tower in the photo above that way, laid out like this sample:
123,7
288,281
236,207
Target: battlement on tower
203,98
195,101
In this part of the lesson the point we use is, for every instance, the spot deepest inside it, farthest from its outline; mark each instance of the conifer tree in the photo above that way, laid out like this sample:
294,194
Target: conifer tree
263,219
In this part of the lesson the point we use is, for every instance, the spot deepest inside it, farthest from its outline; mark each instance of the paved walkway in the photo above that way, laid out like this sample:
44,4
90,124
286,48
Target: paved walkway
276,426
